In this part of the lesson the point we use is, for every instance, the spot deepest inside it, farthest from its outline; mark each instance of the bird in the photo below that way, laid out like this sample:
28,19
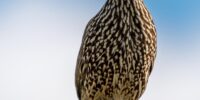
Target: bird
117,52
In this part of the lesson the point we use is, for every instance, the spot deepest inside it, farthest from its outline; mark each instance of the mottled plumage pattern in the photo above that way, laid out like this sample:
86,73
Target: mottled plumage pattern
117,52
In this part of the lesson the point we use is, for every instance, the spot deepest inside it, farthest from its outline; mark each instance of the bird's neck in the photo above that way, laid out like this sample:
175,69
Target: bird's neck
124,2
124,7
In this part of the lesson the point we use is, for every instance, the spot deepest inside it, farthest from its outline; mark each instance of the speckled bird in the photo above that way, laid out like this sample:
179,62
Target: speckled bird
117,53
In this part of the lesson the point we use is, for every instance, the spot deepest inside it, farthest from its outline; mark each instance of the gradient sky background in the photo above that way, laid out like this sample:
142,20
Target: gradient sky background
40,39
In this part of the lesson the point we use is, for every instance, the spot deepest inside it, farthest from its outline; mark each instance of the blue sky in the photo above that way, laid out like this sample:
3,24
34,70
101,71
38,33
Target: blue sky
40,39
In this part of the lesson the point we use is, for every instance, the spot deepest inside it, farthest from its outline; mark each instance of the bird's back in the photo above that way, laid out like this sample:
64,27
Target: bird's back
117,53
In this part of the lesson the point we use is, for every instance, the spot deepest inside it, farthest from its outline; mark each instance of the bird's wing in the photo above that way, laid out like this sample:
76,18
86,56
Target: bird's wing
80,73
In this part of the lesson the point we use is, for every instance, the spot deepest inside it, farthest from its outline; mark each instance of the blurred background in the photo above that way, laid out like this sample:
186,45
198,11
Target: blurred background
40,39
